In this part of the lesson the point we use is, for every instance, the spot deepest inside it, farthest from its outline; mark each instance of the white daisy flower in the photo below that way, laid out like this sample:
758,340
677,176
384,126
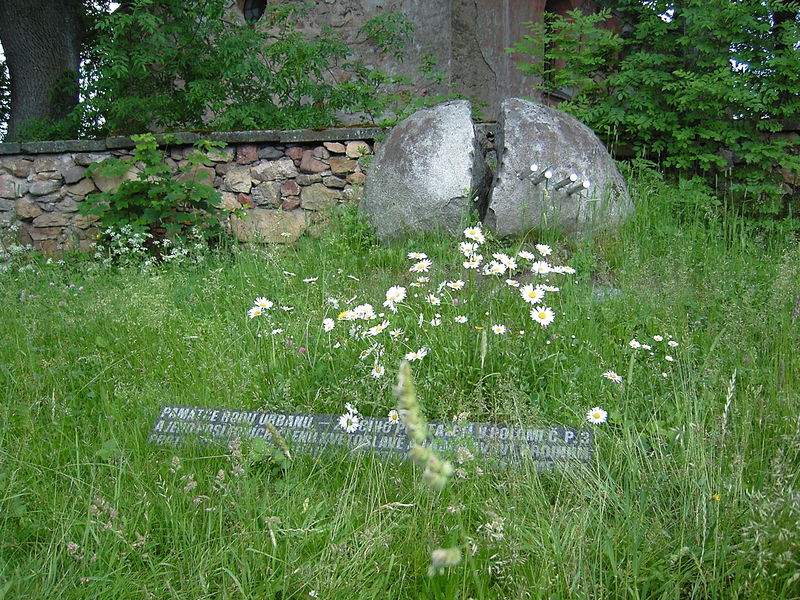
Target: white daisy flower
328,324
497,268
254,312
287,308
396,293
468,248
276,331
455,285
377,329
263,303
668,358
544,249
290,274
634,344
673,344
512,283
658,338
460,319
393,417
543,315
498,329
541,267
433,300
310,279
418,355
596,415
531,293
395,333
417,255
436,321
550,288
647,347
365,312
377,371
349,422
475,234
526,255
347,315
568,270
421,267
473,262
612,376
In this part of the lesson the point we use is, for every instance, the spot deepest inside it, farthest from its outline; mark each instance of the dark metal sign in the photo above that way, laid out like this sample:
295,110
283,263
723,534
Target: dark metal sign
546,447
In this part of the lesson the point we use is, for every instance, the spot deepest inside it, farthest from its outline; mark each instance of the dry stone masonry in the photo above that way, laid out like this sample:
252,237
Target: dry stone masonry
283,181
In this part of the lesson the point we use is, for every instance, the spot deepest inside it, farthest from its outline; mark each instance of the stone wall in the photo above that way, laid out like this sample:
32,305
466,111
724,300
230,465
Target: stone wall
283,180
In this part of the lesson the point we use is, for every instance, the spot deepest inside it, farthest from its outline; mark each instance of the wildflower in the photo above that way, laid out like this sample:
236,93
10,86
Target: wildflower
328,324
436,321
396,293
612,376
349,422
505,260
421,267
287,308
276,331
543,315
263,303
634,344
417,255
647,347
310,279
377,329
395,333
254,312
364,354
596,415
672,344
418,355
475,234
377,371
394,417
668,358
567,270
526,255
498,329
364,312
473,262
455,285
433,300
496,268
715,497
541,267
532,294
423,279
347,315
544,249
550,288
353,277
512,283
460,319
658,338
290,274
468,248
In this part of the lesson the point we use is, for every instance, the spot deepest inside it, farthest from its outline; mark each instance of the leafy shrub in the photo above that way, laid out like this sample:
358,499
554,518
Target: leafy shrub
703,89
155,204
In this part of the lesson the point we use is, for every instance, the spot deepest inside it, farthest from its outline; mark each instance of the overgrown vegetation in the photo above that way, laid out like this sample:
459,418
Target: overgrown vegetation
177,65
701,88
693,493
152,202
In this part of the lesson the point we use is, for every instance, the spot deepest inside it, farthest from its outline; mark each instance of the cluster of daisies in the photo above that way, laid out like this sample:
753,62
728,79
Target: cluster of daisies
350,420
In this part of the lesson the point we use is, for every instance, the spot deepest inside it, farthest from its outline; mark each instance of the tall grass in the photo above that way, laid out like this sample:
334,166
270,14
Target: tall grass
694,492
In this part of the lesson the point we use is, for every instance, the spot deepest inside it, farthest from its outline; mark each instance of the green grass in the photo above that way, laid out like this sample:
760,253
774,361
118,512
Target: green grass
694,492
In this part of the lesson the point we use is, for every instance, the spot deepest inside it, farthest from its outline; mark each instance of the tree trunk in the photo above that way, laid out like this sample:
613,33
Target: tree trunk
42,41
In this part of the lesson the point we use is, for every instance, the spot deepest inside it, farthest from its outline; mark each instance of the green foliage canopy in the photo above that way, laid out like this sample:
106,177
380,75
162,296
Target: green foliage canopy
704,88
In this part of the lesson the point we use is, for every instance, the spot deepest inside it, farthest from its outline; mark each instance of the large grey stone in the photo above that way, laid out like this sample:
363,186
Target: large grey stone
531,133
266,225
427,175
274,170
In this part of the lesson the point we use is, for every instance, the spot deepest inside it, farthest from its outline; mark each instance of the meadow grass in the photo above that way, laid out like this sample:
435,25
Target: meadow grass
693,492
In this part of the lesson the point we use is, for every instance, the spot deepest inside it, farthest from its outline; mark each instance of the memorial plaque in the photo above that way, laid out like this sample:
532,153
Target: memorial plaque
545,447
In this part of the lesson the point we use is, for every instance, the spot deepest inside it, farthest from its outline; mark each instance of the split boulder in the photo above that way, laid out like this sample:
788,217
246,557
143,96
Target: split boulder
427,175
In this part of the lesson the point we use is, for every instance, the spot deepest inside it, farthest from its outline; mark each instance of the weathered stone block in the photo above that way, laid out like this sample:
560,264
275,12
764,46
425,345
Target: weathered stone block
67,205
19,167
335,147
53,219
221,155
267,194
246,154
356,178
237,179
341,165
46,163
306,179
107,183
321,152
529,133
266,225
73,174
42,188
357,149
88,158
318,197
332,181
274,170
198,173
290,188
309,164
269,153
428,174
10,187
82,188
84,221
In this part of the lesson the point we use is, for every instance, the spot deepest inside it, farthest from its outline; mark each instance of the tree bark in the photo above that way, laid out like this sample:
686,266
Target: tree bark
42,43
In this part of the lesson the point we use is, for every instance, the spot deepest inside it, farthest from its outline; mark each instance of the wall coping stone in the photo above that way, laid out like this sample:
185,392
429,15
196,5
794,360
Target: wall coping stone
271,136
